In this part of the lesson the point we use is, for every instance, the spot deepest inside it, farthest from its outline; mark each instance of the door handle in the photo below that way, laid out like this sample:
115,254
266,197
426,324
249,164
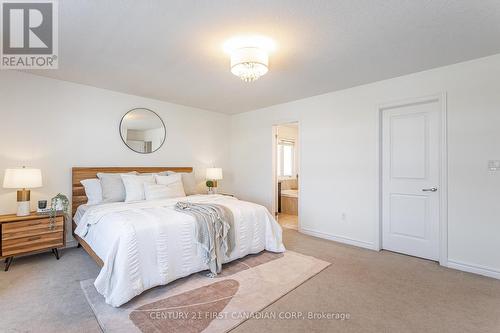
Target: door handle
433,189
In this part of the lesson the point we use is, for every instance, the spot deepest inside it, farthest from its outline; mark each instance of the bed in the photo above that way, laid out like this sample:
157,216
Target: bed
143,244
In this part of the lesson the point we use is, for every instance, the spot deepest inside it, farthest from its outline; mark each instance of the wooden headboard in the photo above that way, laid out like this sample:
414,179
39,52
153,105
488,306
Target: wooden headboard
79,174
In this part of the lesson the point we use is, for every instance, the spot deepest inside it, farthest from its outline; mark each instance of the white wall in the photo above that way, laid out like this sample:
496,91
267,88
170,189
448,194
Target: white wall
55,125
339,158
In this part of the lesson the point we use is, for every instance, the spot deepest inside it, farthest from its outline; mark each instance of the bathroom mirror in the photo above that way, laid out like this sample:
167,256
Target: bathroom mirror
142,130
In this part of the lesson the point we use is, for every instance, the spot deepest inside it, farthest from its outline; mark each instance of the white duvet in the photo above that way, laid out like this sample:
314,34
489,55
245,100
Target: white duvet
147,243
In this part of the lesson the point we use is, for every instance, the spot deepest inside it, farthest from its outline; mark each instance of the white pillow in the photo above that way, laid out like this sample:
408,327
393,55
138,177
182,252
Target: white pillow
188,181
134,186
112,186
157,192
93,190
174,185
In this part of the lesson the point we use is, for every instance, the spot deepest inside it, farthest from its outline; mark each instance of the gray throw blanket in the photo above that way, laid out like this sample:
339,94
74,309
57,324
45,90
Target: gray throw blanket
214,231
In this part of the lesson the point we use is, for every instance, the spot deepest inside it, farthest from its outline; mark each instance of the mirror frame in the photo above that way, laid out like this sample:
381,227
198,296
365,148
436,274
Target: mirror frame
162,122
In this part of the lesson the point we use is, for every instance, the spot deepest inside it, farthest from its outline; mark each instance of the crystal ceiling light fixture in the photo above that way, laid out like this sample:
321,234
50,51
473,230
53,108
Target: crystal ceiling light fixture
249,56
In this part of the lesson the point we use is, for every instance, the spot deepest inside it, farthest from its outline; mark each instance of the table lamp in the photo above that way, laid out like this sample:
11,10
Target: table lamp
214,174
23,179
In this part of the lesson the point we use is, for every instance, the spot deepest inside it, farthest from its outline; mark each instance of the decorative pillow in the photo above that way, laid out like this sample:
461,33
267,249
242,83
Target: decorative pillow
134,186
93,190
112,186
188,181
173,183
157,192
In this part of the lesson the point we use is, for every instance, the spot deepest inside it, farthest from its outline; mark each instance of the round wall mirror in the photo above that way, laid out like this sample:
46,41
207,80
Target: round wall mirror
142,130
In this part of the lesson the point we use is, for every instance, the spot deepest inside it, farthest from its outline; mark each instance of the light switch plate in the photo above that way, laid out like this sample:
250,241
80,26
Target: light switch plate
494,165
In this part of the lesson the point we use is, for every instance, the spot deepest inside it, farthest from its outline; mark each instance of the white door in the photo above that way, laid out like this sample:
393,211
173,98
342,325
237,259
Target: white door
411,178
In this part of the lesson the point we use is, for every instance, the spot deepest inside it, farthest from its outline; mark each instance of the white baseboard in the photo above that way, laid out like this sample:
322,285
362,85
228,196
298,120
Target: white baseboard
340,239
461,266
476,269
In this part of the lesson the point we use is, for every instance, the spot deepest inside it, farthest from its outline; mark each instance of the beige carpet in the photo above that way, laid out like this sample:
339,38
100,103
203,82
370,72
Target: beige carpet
211,305
383,292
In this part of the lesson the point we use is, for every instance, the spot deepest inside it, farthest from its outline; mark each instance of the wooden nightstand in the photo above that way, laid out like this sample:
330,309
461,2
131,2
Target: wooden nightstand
29,234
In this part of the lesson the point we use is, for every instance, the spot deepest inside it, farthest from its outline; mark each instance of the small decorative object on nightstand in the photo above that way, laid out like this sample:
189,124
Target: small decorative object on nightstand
210,186
213,175
30,234
41,208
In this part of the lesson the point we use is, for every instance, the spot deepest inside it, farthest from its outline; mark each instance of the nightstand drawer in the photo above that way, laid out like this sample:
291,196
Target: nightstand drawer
32,243
31,228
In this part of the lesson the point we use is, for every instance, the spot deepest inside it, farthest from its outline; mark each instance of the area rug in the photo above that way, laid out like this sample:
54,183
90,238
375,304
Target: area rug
198,303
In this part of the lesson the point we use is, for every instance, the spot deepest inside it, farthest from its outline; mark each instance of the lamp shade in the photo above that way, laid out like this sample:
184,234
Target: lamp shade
214,173
22,178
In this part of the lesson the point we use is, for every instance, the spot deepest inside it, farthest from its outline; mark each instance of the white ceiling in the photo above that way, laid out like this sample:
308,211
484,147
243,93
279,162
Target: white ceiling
172,50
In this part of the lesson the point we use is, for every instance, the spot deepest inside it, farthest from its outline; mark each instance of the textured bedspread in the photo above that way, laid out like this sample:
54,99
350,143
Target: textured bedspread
148,243
214,231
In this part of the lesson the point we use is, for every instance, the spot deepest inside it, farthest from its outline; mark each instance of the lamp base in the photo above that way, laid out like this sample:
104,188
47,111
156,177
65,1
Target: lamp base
212,190
23,208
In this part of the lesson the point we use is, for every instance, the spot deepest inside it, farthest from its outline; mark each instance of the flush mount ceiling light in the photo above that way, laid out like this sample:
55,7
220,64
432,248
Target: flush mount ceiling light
249,56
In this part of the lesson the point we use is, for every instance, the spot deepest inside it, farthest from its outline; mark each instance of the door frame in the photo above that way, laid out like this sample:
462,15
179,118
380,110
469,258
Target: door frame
443,172
274,205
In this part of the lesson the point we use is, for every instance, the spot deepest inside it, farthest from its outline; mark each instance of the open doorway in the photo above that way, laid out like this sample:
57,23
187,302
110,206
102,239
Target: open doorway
286,174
